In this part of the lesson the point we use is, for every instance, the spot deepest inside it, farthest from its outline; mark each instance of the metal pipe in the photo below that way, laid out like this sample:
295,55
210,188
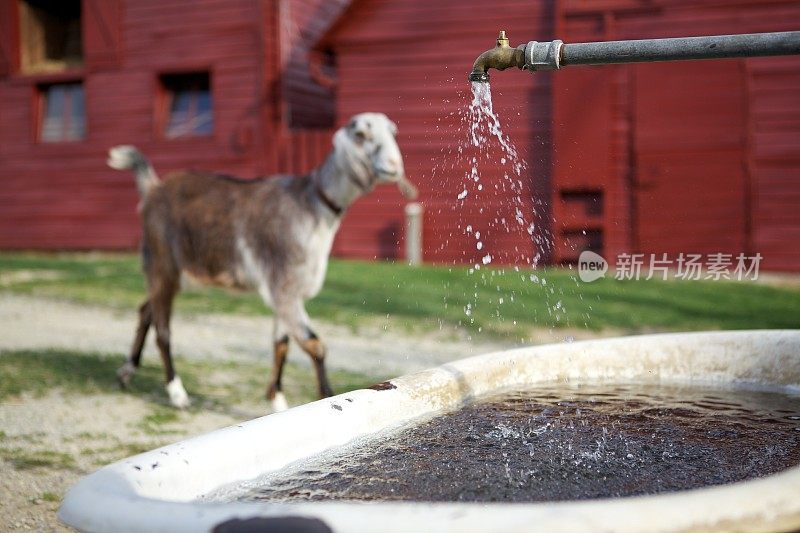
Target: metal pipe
552,55
682,48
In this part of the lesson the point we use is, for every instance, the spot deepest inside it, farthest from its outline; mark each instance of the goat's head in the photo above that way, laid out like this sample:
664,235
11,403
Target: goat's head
125,157
367,146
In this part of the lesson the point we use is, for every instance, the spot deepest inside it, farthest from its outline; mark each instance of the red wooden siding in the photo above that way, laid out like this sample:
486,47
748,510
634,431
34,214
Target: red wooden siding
774,159
9,59
410,60
689,157
690,182
103,33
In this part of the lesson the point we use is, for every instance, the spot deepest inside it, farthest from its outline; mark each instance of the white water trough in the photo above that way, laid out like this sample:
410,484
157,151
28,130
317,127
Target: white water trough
161,490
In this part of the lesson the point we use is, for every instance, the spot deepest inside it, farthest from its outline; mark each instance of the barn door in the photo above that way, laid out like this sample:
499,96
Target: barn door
690,183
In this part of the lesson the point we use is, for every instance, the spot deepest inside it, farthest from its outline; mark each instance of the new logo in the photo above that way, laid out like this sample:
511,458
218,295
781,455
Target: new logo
591,266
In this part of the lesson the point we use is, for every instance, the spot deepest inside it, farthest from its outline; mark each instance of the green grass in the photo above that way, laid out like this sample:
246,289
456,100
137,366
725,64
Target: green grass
501,302
24,459
50,497
213,384
159,420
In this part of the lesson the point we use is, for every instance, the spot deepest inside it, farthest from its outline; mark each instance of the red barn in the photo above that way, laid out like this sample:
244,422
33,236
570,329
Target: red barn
663,158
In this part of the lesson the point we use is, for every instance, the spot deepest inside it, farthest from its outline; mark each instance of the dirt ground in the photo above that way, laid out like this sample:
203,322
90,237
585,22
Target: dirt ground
48,441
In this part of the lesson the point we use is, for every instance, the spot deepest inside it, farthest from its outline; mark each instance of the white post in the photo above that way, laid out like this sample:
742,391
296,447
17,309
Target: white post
414,233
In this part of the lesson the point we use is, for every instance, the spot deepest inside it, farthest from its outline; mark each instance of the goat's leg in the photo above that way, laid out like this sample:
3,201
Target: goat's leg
281,349
126,371
294,315
161,305
314,347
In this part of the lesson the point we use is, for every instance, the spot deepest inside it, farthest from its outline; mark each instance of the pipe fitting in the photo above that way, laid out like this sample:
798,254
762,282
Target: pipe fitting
543,55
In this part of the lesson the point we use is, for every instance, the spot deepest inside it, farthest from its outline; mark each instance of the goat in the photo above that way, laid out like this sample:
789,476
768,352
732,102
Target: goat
269,234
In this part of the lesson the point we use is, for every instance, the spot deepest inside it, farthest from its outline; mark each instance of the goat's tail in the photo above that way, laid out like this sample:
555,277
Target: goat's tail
127,157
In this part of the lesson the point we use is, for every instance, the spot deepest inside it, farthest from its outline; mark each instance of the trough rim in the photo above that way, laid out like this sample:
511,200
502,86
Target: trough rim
160,490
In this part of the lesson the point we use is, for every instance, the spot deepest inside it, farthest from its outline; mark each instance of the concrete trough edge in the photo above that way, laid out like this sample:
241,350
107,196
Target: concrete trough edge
160,490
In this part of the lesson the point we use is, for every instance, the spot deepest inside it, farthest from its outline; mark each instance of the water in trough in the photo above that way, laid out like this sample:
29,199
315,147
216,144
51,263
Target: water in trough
559,443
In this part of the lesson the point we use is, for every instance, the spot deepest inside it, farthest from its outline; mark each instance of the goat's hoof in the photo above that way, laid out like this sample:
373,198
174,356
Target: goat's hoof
177,394
279,403
125,373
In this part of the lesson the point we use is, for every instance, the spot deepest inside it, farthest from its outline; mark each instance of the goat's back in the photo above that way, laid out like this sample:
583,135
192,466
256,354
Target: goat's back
192,221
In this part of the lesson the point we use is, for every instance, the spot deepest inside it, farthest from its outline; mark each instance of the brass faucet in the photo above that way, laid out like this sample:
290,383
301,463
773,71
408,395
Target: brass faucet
500,57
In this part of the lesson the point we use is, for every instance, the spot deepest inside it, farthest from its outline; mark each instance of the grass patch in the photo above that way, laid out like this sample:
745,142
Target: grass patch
51,497
88,435
496,302
22,459
38,372
157,421
118,449
212,384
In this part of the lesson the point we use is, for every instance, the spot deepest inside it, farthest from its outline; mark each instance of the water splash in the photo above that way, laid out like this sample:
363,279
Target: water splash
496,207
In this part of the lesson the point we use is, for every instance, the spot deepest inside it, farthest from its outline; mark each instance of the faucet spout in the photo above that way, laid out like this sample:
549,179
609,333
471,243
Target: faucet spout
501,57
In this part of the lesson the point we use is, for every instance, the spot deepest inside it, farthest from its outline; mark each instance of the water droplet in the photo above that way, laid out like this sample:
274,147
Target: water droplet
479,245
462,195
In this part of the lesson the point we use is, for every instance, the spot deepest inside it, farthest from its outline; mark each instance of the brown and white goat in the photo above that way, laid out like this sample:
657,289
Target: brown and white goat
272,234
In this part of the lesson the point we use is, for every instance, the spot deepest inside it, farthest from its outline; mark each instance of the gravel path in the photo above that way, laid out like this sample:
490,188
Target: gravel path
33,323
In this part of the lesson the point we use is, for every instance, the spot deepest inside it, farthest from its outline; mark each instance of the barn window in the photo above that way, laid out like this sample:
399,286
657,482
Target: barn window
50,35
188,108
583,203
63,112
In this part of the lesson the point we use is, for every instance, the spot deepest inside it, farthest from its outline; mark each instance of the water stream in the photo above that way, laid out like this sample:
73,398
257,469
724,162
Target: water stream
498,209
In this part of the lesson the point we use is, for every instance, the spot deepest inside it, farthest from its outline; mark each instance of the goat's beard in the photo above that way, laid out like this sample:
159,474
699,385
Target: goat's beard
407,189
